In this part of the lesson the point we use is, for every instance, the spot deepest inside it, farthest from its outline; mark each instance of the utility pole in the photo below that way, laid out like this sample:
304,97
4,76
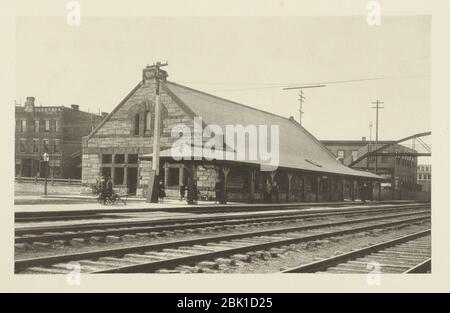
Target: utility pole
301,98
369,146
152,195
377,108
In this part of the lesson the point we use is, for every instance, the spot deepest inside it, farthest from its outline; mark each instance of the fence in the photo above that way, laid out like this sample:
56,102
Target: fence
50,180
387,194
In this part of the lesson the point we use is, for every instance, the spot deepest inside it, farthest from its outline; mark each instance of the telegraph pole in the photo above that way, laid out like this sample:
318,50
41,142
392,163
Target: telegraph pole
301,98
377,108
369,146
152,195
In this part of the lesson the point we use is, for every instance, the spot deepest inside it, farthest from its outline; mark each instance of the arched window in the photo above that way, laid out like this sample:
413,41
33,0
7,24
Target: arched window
136,124
148,121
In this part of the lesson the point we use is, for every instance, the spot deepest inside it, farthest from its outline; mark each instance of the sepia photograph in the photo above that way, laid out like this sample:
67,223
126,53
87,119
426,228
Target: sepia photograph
223,159
167,145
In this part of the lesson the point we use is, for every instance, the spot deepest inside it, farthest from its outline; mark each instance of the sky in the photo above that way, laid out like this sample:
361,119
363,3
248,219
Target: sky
244,59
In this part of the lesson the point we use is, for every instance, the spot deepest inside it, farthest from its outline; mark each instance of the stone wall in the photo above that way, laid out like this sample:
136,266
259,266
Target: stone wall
117,134
119,129
143,177
173,193
90,164
207,176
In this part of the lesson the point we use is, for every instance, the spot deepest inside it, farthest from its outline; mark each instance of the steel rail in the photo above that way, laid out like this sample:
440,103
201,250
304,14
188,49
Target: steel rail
21,265
421,268
77,227
61,215
333,261
123,231
170,263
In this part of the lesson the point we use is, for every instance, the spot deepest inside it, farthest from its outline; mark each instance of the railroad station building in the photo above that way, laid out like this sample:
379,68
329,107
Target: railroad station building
56,130
121,147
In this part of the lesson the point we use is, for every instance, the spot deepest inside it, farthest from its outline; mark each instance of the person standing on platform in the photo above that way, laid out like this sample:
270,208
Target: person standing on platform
161,191
218,188
182,191
101,189
192,195
268,192
109,189
195,191
276,192
364,192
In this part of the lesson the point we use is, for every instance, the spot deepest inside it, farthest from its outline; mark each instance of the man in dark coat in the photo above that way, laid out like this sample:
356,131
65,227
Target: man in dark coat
182,191
192,195
218,188
268,191
161,191
195,191
364,192
101,189
109,188
276,192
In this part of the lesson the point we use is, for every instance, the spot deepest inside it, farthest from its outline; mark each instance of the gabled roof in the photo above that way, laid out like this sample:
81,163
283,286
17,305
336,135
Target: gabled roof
298,148
103,121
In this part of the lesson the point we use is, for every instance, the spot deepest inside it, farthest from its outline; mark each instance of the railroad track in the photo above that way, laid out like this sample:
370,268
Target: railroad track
183,254
407,254
85,233
32,217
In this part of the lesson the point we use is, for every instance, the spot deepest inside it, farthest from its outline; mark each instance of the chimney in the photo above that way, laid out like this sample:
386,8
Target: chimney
149,74
292,119
363,138
29,104
75,107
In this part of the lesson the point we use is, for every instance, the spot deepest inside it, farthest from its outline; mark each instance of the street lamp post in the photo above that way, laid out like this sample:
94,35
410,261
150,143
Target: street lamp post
46,158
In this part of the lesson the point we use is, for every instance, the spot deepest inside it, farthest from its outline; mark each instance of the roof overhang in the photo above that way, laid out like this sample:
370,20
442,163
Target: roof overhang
195,154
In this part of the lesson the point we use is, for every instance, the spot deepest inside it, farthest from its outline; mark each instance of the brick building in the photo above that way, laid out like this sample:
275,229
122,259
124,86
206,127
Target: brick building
424,177
121,147
56,130
399,170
